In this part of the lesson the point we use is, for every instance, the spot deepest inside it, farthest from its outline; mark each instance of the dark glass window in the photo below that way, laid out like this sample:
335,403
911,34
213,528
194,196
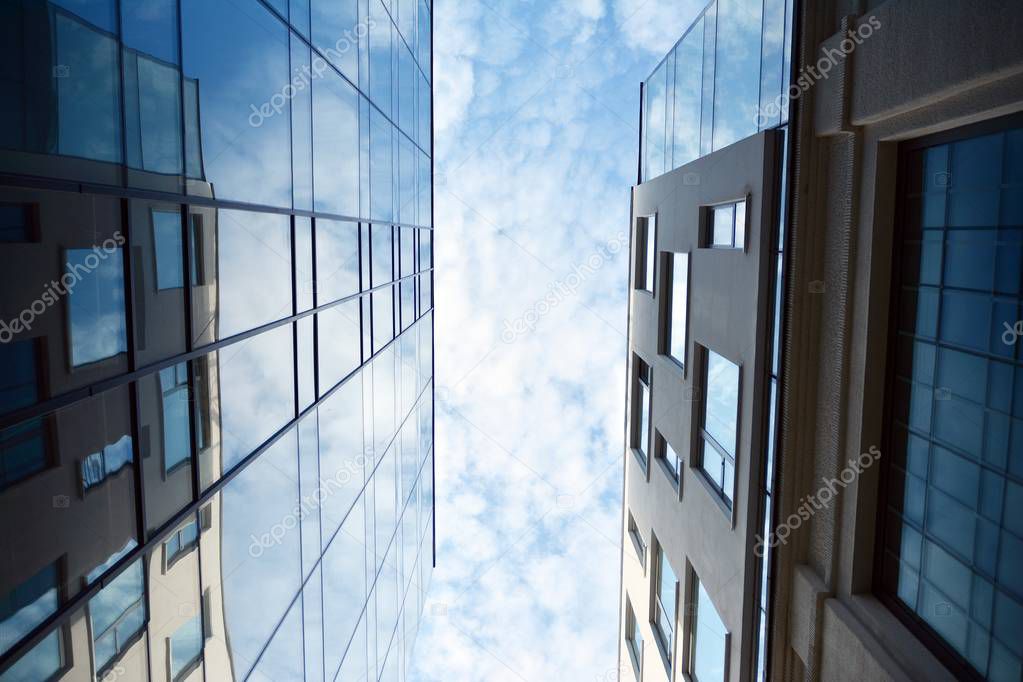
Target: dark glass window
17,222
118,614
953,541
662,612
28,605
96,305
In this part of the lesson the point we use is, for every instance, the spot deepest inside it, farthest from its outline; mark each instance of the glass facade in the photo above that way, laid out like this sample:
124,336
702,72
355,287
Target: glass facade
953,541
216,338
726,79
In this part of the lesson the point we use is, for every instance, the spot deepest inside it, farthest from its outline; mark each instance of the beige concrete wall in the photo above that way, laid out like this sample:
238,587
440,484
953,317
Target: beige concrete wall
932,65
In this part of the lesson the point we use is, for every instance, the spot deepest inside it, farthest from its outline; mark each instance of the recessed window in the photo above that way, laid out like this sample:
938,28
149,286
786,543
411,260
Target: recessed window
646,252
180,543
18,222
952,542
670,461
168,249
726,226
633,638
185,648
176,429
637,540
677,307
720,423
710,640
662,615
641,410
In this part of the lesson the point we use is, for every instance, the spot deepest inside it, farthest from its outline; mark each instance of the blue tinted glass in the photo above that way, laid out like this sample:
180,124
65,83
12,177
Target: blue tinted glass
260,548
342,465
117,612
88,104
176,429
688,92
407,180
186,645
737,71
284,656
18,382
239,61
964,439
336,34
100,13
380,167
382,254
300,16
709,645
41,663
773,78
336,145
408,79
256,383
656,107
339,335
344,587
312,612
379,57
28,605
337,260
151,27
722,401
302,124
96,304
167,244
423,38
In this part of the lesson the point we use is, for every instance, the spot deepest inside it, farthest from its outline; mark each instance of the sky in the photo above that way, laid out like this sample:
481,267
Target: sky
536,135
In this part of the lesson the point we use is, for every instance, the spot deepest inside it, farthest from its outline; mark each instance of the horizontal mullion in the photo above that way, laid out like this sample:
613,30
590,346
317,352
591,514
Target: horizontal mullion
82,598
96,388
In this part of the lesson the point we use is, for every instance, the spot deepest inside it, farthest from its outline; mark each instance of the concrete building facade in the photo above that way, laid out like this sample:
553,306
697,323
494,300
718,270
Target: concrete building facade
851,366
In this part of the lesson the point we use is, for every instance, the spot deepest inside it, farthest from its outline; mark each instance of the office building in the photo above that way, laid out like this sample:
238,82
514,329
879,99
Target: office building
824,471
216,334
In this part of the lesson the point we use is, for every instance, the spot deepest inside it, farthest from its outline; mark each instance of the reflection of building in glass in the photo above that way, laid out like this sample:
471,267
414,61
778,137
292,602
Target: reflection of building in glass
216,395
826,384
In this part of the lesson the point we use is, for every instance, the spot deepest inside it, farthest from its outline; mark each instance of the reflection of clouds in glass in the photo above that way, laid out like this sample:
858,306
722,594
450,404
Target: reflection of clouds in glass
722,400
256,391
344,586
709,650
240,60
736,71
337,260
253,269
336,152
338,337
341,445
96,305
258,589
656,102
283,657
688,97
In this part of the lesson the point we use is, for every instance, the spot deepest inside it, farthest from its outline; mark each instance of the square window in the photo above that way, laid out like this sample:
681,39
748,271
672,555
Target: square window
726,226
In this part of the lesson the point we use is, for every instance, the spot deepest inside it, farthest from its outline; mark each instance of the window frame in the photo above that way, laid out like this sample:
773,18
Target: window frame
631,630
934,643
666,327
707,224
646,254
703,438
637,539
693,625
636,426
673,473
666,649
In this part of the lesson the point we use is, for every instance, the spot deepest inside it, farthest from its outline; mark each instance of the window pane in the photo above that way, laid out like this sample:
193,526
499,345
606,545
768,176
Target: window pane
722,220
679,306
339,336
334,34
96,304
736,71
186,645
722,409
688,92
337,260
167,243
335,145
709,641
239,61
651,252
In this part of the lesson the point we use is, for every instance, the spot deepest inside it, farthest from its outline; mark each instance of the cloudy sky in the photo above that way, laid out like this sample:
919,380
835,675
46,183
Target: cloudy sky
537,105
